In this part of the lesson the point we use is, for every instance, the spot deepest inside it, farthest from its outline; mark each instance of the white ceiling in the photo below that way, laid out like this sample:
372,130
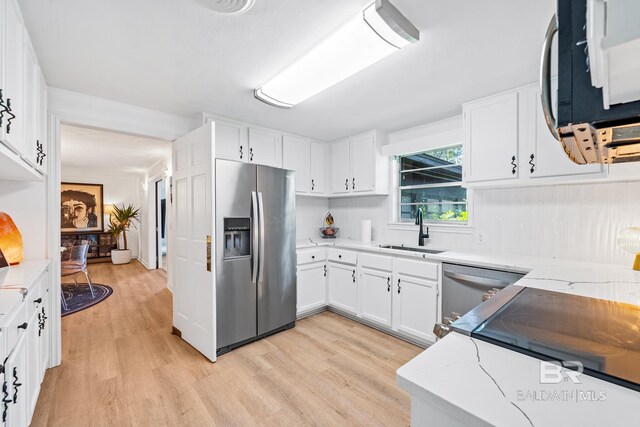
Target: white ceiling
178,57
108,153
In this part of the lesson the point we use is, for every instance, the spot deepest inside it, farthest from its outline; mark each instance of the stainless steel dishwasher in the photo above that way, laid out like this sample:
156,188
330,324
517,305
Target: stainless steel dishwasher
464,287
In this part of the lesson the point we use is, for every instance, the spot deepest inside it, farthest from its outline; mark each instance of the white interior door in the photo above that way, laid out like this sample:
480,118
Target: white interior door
193,291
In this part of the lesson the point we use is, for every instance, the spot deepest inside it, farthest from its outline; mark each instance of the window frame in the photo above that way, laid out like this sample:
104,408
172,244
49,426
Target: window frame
397,205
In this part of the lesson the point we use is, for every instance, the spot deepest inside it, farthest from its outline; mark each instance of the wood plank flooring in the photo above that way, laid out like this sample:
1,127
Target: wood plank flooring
122,367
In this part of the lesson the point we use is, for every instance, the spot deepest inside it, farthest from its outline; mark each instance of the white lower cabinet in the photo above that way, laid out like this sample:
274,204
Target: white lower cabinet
415,307
376,296
14,396
343,287
44,335
32,382
312,287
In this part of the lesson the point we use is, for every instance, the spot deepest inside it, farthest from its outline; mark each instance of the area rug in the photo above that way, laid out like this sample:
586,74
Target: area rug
78,297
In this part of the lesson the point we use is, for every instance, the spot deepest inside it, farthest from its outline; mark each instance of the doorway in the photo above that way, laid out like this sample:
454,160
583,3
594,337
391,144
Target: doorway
161,224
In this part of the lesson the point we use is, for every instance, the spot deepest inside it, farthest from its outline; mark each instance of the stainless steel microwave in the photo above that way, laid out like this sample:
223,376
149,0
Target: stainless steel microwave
598,99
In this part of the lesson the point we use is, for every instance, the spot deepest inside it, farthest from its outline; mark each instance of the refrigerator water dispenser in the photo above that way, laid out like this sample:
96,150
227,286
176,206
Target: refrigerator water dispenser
237,237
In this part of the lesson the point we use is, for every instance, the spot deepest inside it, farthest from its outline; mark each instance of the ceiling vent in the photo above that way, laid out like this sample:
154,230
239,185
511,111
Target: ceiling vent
227,6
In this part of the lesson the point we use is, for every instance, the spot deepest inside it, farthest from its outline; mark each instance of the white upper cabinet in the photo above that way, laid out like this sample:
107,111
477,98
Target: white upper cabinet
42,142
362,152
341,173
507,142
265,147
31,104
319,160
358,166
296,156
542,155
490,129
231,141
12,93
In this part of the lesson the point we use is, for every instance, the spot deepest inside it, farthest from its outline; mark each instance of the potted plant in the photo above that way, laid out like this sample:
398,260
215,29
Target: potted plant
121,220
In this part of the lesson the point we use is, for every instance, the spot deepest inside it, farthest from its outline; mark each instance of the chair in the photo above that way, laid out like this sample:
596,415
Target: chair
77,263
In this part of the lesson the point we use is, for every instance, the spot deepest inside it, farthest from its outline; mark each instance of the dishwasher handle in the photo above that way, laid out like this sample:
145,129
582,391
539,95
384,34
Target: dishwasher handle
490,283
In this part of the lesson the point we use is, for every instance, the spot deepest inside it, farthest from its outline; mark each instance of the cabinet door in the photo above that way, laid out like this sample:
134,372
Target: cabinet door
44,337
32,383
362,158
42,138
295,156
343,287
415,307
491,138
312,287
376,296
544,156
11,133
231,142
16,382
318,165
340,161
30,106
265,147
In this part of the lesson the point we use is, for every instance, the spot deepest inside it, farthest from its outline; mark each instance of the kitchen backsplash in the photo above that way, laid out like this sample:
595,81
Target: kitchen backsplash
310,214
578,221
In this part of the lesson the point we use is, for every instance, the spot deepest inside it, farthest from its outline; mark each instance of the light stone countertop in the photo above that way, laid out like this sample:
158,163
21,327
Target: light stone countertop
484,384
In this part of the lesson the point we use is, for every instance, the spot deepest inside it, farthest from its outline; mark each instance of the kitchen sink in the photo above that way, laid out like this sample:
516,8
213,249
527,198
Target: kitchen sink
410,249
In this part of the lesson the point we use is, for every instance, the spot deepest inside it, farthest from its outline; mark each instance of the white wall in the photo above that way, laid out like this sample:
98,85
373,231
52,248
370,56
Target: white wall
310,214
117,189
26,203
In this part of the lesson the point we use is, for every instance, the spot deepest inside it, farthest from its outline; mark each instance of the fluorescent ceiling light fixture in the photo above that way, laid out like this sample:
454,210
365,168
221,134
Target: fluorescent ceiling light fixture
374,34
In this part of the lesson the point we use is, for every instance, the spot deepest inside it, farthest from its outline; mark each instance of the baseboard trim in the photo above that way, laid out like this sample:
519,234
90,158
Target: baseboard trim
350,316
312,312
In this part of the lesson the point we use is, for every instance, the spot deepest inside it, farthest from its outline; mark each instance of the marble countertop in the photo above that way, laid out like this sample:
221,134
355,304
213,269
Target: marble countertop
15,280
485,384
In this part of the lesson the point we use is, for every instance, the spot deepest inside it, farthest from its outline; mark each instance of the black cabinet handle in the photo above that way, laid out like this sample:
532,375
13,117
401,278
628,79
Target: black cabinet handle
16,385
37,301
388,284
325,270
353,276
346,184
513,163
313,185
23,326
399,288
353,184
251,154
241,153
340,256
5,401
8,110
313,257
40,155
533,165
3,107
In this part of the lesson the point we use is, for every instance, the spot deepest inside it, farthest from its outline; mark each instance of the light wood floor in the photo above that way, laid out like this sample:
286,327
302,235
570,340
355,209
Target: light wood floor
121,366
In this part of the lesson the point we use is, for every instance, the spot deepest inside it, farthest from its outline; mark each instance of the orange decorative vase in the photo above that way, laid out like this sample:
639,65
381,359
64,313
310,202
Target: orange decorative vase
10,239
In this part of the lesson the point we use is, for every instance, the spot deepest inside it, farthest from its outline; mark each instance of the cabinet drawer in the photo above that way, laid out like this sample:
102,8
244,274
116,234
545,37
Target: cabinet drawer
420,269
340,255
377,262
307,256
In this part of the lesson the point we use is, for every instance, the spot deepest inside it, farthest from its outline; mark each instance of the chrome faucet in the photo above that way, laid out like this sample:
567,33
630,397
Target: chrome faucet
421,235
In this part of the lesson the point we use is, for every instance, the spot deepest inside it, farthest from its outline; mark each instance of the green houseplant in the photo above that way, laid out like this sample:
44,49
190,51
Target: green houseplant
121,220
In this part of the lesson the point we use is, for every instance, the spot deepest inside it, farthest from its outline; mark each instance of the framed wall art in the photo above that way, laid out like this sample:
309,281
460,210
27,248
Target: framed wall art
81,207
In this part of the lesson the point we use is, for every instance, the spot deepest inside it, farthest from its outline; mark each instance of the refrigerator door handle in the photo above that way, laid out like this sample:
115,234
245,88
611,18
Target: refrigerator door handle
261,216
255,230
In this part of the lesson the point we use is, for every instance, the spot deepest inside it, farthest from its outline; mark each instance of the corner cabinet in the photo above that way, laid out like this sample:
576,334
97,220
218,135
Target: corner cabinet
359,168
507,142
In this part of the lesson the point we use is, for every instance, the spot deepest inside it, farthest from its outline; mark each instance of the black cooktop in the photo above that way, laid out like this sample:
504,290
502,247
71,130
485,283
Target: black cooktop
604,336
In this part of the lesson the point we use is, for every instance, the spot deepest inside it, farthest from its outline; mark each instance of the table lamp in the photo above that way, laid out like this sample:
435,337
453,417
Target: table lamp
629,240
10,239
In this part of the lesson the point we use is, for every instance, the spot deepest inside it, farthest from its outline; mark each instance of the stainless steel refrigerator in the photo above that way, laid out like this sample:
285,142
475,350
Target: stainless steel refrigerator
255,252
